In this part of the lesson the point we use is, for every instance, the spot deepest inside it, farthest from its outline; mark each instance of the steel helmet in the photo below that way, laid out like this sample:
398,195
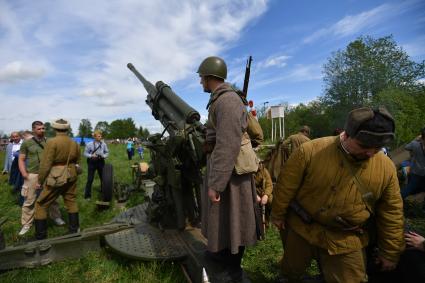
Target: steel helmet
213,66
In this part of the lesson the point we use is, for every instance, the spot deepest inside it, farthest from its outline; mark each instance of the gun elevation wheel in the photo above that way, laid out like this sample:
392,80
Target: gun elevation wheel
107,182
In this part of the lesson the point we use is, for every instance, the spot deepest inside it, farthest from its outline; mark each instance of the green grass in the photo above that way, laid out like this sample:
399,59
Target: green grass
96,266
260,262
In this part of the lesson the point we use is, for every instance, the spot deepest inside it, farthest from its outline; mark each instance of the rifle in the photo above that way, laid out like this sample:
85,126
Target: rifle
176,160
247,74
263,214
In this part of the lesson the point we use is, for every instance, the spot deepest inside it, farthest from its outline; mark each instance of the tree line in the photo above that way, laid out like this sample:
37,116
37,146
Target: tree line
368,72
117,129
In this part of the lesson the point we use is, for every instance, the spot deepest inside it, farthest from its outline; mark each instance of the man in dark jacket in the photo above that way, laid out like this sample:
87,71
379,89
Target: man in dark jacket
417,170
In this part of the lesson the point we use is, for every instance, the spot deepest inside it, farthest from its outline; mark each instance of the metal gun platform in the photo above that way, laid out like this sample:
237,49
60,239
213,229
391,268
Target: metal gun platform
147,242
43,252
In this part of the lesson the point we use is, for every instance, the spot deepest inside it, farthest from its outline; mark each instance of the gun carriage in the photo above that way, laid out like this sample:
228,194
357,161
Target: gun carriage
176,160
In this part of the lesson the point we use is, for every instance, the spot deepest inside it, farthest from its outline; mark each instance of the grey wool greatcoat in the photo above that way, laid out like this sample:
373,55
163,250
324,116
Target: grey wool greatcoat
229,223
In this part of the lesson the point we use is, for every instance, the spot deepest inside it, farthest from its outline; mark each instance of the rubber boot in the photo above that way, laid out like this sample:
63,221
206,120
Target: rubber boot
40,229
74,223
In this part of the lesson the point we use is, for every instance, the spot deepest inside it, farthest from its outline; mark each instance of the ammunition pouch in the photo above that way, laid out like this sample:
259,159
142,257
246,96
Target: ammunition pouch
247,161
60,175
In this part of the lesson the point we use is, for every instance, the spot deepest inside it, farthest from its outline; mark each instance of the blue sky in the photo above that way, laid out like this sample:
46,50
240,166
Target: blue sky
68,58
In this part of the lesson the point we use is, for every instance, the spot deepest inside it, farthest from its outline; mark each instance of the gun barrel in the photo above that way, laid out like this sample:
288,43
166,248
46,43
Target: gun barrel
167,107
150,88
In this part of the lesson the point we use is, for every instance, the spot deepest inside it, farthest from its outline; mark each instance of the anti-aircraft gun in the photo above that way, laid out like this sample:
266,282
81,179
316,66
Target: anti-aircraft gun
176,160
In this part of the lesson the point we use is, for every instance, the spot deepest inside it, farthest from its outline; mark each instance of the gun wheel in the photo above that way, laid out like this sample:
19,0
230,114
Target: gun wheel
107,182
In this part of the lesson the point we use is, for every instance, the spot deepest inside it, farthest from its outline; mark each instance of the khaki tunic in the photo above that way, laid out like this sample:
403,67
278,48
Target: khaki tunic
56,153
282,152
263,183
317,176
231,222
294,141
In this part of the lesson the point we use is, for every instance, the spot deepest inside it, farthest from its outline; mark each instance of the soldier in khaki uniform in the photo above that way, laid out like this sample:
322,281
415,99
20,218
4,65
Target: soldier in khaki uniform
29,160
284,149
56,153
339,182
264,187
295,140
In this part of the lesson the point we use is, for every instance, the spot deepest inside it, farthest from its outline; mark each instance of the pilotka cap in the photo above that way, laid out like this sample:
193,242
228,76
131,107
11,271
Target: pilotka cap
60,124
371,127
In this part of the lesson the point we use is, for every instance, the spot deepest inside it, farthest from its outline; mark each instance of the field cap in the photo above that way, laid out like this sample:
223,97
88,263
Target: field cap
371,127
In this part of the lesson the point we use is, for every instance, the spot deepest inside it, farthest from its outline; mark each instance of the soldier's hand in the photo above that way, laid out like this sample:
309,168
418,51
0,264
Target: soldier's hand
38,186
385,264
279,224
214,196
258,199
414,240
264,200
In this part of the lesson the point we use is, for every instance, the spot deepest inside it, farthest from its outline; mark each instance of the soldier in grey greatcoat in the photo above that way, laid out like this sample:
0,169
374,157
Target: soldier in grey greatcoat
228,219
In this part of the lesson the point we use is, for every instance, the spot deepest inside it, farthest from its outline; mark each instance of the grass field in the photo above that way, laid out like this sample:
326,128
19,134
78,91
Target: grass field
260,262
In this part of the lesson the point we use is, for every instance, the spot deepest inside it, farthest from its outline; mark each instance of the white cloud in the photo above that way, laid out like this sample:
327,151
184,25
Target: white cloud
99,92
20,71
274,61
298,73
81,49
350,25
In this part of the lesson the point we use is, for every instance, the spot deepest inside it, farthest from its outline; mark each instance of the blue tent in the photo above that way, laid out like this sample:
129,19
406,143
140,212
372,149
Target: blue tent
78,139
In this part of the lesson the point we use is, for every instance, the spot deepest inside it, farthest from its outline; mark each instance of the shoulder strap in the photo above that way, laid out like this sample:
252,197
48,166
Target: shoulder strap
69,154
215,96
219,93
100,144
367,196
37,142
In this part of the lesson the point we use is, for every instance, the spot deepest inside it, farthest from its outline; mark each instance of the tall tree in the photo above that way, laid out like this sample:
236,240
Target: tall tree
103,126
313,115
366,67
49,131
355,76
85,129
407,108
123,128
70,133
143,133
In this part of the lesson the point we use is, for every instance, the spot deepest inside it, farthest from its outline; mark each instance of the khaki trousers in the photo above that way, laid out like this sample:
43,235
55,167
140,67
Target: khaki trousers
28,208
341,268
49,195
